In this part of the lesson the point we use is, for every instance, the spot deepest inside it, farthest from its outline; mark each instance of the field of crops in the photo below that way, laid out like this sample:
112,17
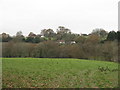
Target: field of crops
58,73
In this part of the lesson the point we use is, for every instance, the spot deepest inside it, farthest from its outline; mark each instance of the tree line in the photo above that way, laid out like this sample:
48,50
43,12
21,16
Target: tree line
98,45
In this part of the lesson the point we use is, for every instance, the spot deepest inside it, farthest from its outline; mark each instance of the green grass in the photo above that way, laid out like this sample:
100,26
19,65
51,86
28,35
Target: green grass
57,73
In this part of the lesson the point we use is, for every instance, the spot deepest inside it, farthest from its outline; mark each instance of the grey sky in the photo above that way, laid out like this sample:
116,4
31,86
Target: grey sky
81,16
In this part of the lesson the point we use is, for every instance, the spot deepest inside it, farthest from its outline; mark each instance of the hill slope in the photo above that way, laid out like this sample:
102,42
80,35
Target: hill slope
58,73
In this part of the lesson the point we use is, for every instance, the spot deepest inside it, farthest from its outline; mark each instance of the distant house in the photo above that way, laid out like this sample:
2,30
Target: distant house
72,42
42,36
61,41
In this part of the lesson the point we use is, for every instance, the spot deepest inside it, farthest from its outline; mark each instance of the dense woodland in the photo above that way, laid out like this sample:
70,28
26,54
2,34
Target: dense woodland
98,45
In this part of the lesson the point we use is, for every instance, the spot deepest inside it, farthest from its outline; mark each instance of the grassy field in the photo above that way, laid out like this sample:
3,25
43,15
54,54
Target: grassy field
58,73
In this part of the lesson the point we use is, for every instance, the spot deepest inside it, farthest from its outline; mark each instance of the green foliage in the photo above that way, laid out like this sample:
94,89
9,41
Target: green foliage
80,39
100,32
19,33
112,35
48,33
118,35
62,30
30,39
35,39
58,73
64,34
7,39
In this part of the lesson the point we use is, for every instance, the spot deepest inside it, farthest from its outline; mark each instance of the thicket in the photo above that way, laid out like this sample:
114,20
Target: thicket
98,45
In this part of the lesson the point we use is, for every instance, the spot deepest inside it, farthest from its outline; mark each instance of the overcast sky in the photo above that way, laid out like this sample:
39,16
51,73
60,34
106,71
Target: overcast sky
81,16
